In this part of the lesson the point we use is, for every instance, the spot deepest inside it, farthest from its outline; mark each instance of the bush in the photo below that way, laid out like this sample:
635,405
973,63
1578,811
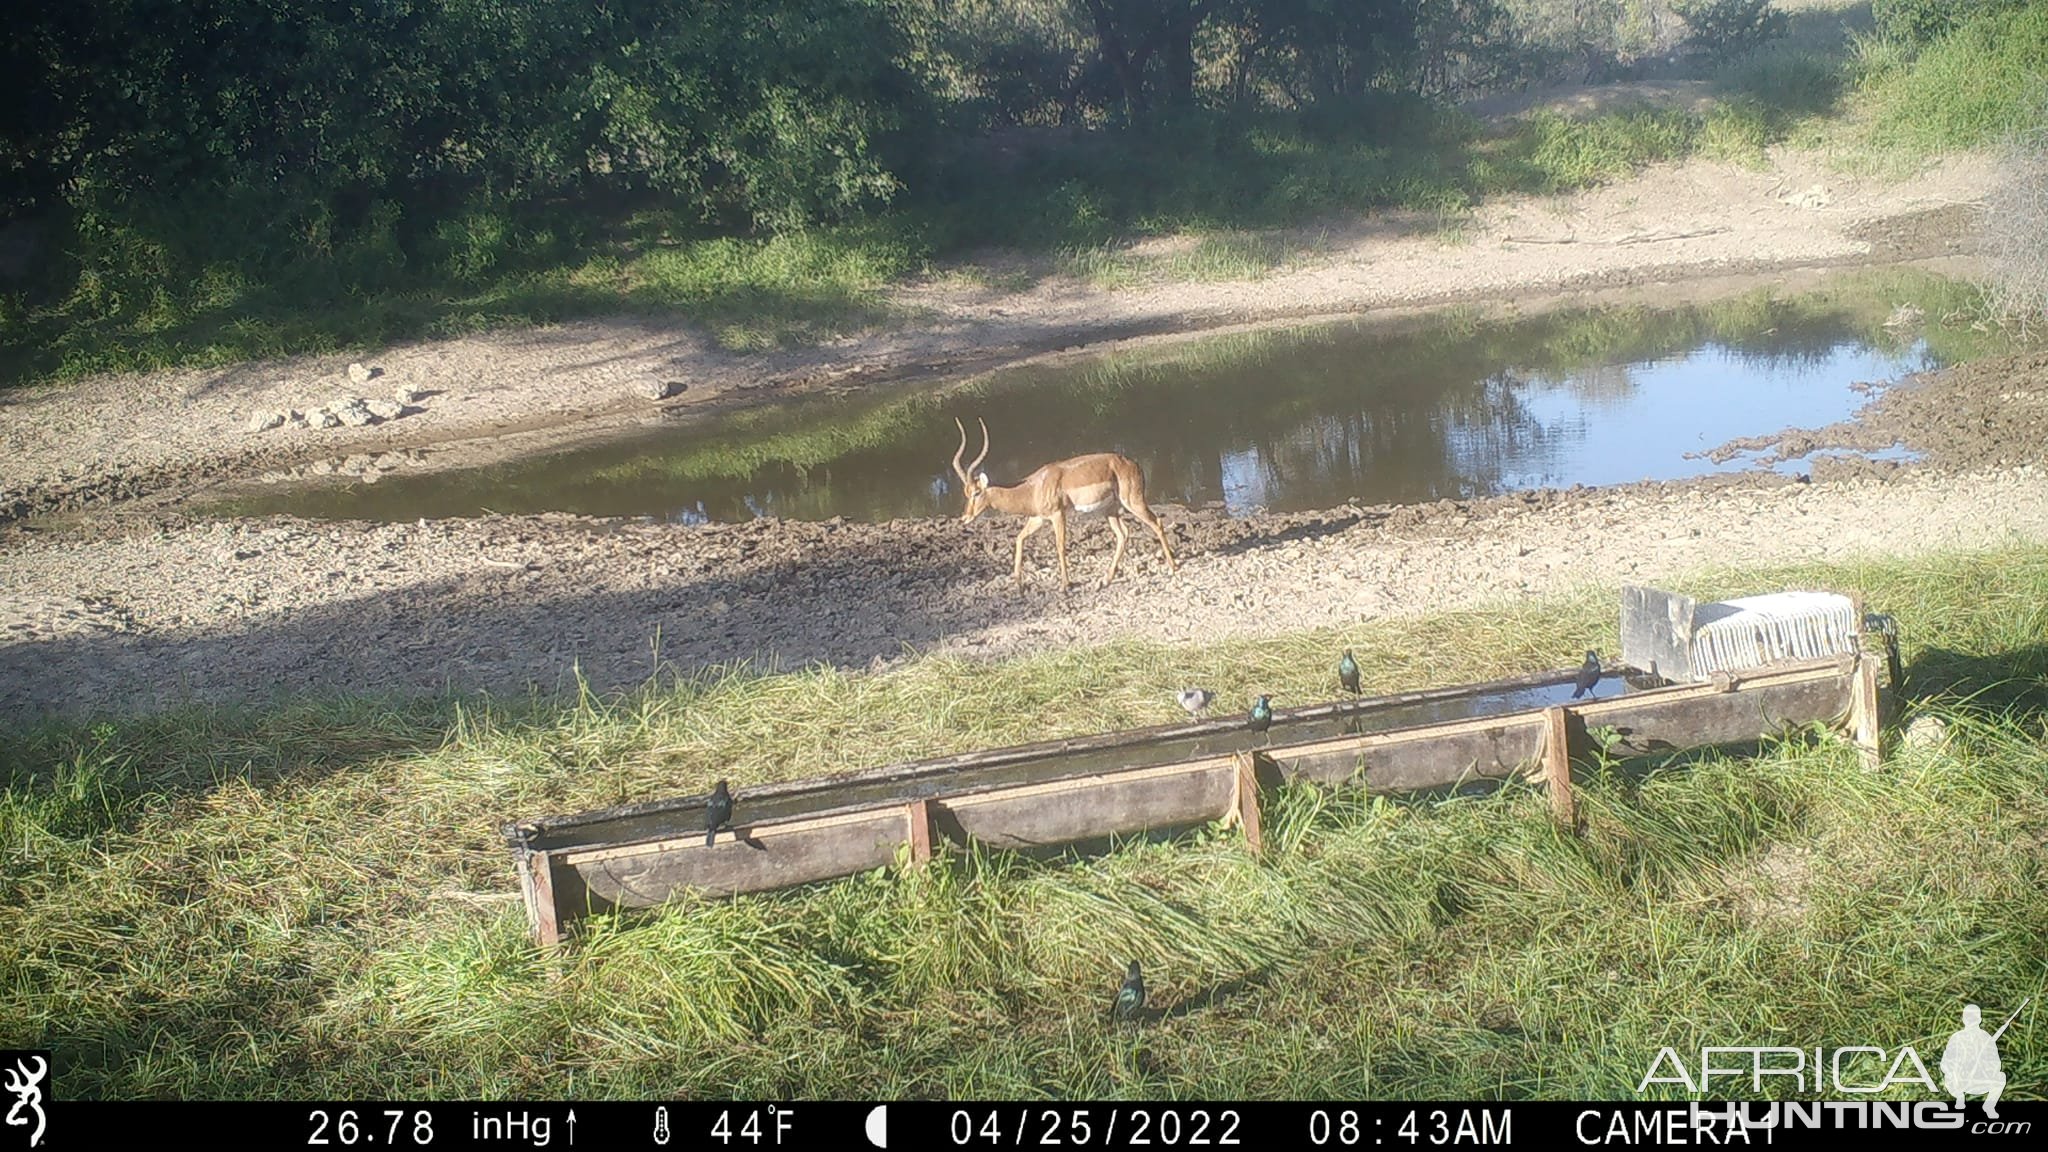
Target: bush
2016,227
1721,30
1918,22
1975,86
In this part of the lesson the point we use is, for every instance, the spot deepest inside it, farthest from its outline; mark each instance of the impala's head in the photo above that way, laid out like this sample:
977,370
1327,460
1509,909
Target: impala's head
975,484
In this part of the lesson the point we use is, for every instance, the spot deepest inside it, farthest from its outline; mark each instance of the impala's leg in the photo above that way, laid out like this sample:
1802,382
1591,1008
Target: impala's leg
1059,539
1145,517
1123,535
1017,569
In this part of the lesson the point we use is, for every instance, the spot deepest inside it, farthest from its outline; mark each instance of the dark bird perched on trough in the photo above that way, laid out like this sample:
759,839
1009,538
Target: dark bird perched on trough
1347,672
1195,700
1262,714
717,813
1589,675
1130,999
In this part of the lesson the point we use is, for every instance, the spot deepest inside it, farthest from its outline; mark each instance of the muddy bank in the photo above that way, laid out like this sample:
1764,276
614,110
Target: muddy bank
159,436
1987,413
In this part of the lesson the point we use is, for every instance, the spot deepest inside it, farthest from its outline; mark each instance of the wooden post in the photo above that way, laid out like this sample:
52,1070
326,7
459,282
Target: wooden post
537,884
1247,790
1864,720
1557,766
920,817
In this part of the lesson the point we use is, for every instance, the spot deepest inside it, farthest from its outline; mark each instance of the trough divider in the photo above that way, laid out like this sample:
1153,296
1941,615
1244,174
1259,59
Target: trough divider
1557,766
1247,801
1865,713
919,815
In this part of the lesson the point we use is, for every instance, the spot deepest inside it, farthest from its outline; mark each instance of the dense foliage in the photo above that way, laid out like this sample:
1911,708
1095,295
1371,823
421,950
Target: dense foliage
205,181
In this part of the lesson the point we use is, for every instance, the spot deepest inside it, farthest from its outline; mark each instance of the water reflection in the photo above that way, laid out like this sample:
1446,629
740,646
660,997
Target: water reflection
1289,419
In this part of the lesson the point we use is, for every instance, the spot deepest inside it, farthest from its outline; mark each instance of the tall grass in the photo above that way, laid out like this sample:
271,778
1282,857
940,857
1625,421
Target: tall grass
1986,80
314,903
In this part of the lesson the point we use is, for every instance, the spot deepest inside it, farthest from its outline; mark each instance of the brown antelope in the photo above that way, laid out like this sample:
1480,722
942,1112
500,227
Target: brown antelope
1098,484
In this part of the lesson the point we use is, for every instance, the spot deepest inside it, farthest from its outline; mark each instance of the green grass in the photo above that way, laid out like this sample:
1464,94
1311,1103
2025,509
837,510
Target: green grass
1969,89
313,902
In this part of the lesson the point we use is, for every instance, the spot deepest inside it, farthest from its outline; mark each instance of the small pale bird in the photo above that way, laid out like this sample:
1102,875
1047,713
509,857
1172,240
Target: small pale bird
1130,999
1347,672
1262,714
1589,675
717,813
1195,700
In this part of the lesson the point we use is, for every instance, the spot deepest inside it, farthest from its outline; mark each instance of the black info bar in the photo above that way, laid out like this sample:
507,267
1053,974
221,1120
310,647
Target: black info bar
997,1125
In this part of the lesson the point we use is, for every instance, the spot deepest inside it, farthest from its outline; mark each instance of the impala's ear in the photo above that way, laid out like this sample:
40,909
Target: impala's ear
981,479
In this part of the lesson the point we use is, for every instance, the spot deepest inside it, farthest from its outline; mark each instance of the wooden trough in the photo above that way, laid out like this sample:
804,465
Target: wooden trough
1067,791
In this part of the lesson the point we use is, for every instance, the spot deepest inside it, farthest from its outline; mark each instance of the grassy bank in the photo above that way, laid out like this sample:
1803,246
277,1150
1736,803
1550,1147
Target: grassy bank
312,902
182,289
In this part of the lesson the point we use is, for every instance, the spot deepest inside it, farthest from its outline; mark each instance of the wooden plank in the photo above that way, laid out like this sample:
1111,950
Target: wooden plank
674,818
1557,766
1434,756
1711,714
762,857
1248,801
1066,811
536,884
1865,719
918,813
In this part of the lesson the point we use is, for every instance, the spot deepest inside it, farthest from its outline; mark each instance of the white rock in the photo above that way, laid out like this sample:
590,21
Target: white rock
661,389
265,421
352,411
362,374
385,409
407,394
1925,732
322,418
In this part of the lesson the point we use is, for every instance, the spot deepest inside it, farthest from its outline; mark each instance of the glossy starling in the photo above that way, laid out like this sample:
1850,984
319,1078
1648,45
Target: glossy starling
1347,672
1262,715
1589,675
1130,999
717,813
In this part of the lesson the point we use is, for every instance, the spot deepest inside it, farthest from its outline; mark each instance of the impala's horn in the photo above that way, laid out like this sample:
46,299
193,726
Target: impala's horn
966,474
957,469
984,443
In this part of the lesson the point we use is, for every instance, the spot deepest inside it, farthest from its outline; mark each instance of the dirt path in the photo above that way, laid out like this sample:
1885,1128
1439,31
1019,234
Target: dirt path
485,396
240,610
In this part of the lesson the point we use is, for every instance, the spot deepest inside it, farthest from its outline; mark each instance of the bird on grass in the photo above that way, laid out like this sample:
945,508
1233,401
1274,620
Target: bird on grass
1130,999
1195,700
1262,714
717,813
1589,675
1347,672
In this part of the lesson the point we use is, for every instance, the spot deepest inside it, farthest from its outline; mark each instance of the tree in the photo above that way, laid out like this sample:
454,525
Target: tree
1130,34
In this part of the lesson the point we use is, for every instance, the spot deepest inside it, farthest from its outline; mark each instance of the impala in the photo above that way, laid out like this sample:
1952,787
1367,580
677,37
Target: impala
1098,484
